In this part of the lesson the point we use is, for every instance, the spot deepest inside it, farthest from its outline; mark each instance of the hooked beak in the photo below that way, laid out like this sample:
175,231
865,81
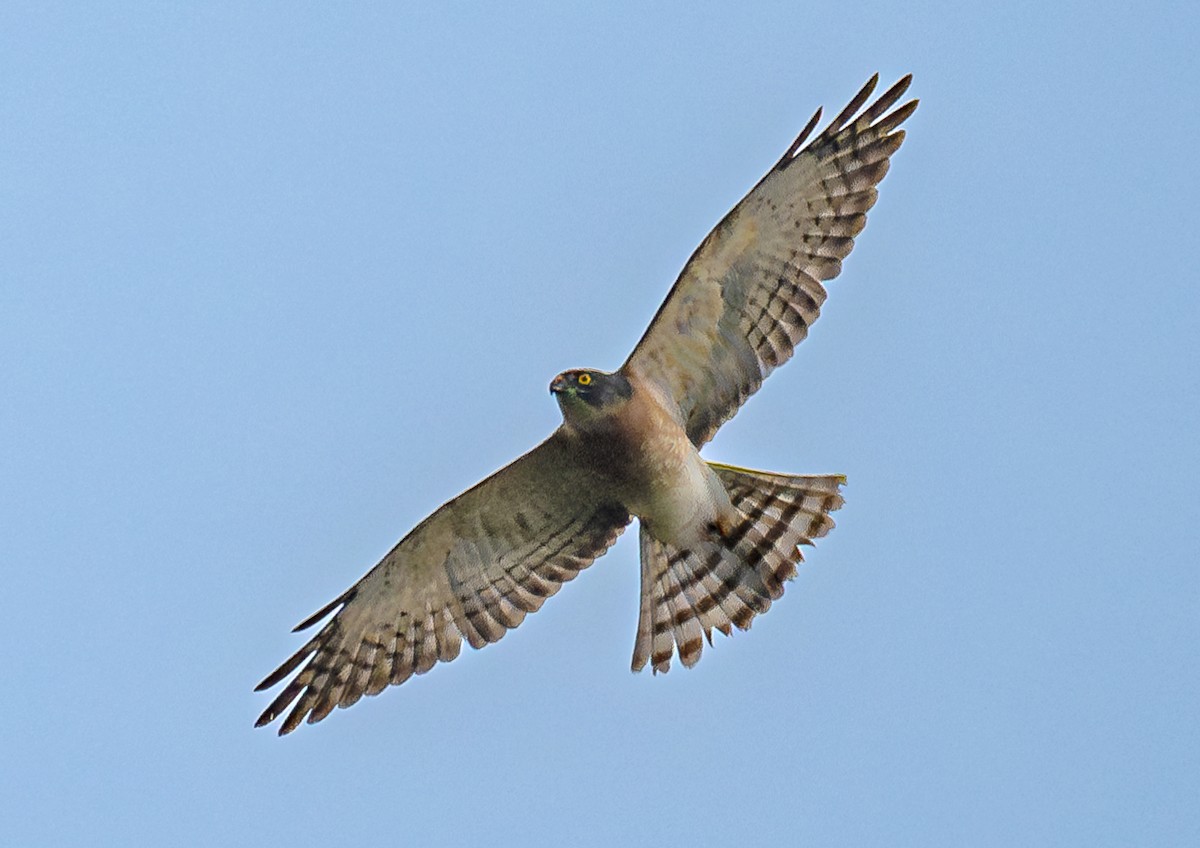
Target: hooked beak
558,385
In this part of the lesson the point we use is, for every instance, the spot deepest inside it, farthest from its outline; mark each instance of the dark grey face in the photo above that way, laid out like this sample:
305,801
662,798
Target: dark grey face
594,388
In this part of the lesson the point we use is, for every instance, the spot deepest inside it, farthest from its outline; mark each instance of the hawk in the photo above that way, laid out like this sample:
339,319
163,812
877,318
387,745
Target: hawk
717,542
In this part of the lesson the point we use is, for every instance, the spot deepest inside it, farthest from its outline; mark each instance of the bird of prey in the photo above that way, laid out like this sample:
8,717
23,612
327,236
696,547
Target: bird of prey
717,542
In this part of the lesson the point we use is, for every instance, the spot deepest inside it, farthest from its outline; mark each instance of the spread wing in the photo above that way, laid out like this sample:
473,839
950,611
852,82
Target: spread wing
748,294
473,569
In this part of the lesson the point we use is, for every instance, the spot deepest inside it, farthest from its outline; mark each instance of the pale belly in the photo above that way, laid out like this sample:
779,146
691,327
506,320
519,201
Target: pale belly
679,498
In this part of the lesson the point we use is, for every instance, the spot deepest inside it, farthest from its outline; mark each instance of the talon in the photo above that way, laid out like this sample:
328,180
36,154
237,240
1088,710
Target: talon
722,527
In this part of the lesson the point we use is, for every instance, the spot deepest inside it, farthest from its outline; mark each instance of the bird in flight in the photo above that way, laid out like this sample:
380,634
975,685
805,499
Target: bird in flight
717,542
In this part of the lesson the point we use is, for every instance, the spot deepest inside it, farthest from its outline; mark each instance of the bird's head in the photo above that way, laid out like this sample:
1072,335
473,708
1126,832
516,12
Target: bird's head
583,393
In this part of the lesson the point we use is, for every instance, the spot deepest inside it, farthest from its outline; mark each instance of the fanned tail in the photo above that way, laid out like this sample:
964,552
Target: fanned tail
727,580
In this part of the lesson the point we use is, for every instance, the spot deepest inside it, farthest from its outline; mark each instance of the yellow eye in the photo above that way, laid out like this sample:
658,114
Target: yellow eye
585,379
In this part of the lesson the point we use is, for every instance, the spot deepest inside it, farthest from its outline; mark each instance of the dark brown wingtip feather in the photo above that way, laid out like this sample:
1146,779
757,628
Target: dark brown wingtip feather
323,611
800,139
898,117
281,702
293,662
854,105
296,716
886,100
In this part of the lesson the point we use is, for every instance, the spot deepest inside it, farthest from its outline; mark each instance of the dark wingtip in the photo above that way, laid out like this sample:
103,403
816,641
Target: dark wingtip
284,670
884,102
897,89
296,716
343,598
854,105
800,139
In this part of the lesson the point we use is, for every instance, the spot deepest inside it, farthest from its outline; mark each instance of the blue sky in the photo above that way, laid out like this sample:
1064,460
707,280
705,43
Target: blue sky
277,281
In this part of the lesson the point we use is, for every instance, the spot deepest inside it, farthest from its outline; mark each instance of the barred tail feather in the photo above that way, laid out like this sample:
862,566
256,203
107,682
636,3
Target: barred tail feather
726,581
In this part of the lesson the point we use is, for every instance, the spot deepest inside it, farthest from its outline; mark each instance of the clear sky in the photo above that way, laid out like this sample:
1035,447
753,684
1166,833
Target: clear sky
277,281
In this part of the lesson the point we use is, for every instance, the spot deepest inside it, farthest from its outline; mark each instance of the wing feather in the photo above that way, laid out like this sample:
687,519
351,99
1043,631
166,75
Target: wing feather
752,289
472,570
